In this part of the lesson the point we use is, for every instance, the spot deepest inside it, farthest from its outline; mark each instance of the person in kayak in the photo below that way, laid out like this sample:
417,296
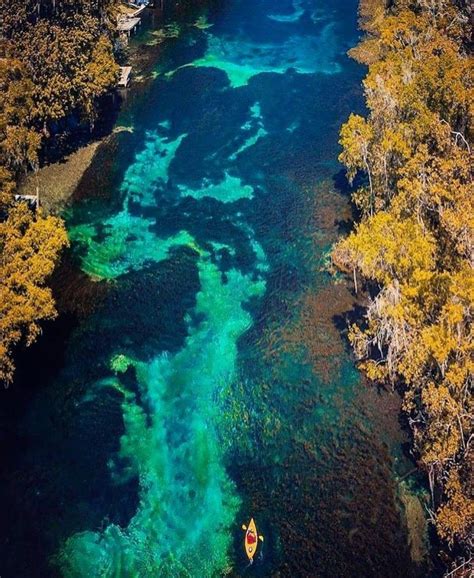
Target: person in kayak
251,539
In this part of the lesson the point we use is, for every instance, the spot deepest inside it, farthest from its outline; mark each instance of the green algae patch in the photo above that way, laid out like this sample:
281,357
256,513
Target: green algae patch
126,241
170,443
149,170
255,122
241,58
228,190
174,450
120,363
298,11
128,245
202,23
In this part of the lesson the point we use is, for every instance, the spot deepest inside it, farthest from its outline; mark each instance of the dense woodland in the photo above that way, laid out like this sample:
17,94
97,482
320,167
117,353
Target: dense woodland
413,245
56,61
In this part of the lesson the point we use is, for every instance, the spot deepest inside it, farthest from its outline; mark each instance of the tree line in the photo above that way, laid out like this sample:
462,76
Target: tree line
412,246
56,61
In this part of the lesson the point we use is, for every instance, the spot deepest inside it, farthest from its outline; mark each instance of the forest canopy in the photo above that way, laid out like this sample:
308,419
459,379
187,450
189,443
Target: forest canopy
413,245
56,61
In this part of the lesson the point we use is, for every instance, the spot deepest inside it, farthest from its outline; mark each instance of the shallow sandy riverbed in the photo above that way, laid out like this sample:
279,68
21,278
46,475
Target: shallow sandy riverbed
58,181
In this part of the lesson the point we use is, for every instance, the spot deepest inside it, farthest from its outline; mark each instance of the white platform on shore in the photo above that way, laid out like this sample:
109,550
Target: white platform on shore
128,25
125,72
139,11
33,199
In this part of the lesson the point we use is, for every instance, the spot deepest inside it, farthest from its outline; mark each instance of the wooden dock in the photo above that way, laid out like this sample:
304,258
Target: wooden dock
127,25
139,10
125,73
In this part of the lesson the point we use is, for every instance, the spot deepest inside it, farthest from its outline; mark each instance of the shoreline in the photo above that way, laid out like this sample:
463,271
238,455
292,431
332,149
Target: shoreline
58,180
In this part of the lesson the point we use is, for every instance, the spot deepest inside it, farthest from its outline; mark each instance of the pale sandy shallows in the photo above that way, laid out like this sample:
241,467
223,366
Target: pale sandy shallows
58,181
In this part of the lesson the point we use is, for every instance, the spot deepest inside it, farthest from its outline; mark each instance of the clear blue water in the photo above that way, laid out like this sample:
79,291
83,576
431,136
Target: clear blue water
211,382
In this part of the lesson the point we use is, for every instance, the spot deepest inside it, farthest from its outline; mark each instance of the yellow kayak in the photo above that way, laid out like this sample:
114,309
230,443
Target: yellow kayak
251,539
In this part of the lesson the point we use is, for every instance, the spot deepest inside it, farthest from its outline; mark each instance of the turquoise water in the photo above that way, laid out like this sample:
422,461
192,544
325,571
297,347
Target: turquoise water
211,382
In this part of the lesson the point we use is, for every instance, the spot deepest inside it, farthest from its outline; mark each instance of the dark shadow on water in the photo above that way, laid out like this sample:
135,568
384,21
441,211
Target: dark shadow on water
71,134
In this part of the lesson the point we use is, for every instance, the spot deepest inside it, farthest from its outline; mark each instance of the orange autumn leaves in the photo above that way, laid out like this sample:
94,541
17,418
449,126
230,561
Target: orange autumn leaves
414,242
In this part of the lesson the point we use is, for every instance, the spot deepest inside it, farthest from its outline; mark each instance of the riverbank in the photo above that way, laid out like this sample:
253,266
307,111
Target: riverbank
58,180
413,237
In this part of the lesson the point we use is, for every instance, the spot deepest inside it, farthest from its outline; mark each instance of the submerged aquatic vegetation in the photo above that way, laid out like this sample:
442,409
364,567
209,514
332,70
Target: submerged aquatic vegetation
185,493
186,500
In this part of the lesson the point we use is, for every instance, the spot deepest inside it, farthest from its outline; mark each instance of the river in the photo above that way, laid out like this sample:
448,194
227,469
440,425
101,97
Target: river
209,380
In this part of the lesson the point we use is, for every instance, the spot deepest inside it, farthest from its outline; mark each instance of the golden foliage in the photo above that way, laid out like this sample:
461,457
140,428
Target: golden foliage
385,248
456,516
57,61
29,248
19,143
414,245
70,66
